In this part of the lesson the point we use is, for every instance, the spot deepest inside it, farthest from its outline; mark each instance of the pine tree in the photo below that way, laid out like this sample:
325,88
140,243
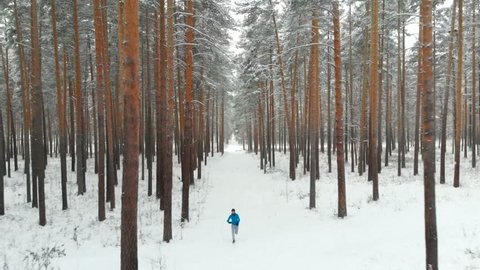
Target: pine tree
8,109
314,107
167,218
288,112
161,102
2,169
474,88
25,89
458,104
373,144
131,87
61,120
418,103
78,106
342,205
188,125
100,85
428,136
38,157
443,147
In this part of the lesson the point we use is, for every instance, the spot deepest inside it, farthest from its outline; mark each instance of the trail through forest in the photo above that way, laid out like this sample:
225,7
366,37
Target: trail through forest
277,231
269,227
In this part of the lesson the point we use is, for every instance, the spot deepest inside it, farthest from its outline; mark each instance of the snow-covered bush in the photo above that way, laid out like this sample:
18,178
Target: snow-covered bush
43,258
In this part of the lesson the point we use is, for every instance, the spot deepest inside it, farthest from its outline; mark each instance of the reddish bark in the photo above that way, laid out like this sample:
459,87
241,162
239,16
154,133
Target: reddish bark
131,86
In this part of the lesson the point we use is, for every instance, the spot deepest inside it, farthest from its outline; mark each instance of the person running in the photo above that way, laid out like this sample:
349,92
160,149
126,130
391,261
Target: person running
234,219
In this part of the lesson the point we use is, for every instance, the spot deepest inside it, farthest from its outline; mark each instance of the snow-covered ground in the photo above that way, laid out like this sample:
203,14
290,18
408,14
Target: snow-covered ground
277,229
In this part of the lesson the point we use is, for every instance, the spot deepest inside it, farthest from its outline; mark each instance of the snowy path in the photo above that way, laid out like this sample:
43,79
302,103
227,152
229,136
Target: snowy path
274,233
277,231
236,183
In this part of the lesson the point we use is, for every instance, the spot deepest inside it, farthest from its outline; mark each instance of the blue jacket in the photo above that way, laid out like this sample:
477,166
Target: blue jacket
234,219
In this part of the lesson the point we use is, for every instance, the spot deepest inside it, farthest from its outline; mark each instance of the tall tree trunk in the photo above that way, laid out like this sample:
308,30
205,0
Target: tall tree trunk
405,143
161,103
38,162
142,104
100,84
25,101
167,198
188,131
458,106
14,140
363,112
291,135
465,116
8,109
44,131
180,104
50,139
474,87
417,103
428,137
2,169
329,104
165,93
222,125
118,97
342,206
399,94
388,118
156,50
443,147
314,109
201,127
149,144
272,108
61,119
380,92
373,154
94,107
207,126
260,117
350,64
217,123
292,106
212,127
78,106
72,124
130,81
345,109
109,120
